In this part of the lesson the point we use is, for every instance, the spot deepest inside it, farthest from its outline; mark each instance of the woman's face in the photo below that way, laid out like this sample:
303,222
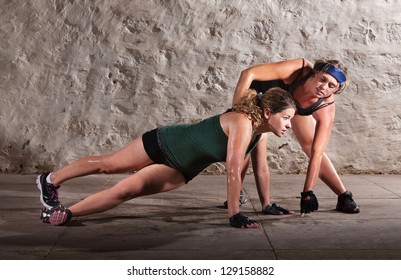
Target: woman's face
323,85
280,122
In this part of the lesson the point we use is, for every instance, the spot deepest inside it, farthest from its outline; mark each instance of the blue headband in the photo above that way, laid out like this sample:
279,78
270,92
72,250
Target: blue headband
333,70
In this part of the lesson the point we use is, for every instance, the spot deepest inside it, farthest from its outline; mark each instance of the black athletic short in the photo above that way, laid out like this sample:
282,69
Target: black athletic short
154,149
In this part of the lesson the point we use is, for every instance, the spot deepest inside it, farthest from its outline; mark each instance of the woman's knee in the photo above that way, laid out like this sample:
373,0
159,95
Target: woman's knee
123,193
107,164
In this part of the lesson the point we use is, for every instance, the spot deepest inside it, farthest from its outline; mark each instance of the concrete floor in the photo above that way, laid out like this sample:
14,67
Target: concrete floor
190,224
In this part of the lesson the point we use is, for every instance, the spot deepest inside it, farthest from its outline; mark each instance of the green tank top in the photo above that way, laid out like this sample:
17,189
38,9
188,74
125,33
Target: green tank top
193,147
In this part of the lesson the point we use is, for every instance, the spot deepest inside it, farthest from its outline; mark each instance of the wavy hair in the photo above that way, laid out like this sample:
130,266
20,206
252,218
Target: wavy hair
253,104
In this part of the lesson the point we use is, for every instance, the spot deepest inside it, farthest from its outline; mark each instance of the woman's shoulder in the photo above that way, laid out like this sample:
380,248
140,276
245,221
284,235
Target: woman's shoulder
232,120
302,69
308,67
235,117
297,63
293,69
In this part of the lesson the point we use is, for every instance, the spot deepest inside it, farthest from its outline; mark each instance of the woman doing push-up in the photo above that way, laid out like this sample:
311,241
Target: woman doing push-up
168,157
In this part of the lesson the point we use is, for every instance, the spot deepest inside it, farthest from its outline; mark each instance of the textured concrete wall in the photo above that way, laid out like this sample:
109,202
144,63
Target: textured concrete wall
85,77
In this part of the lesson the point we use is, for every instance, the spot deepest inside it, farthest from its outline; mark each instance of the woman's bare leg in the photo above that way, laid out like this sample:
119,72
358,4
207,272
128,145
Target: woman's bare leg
130,158
304,129
151,179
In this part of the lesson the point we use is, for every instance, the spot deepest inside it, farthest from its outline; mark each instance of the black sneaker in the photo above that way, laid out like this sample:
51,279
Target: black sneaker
48,192
60,215
346,204
242,199
45,215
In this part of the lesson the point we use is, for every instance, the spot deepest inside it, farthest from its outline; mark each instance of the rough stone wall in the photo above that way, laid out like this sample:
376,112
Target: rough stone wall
85,77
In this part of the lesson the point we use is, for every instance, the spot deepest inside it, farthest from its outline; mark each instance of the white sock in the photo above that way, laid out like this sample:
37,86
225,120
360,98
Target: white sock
48,179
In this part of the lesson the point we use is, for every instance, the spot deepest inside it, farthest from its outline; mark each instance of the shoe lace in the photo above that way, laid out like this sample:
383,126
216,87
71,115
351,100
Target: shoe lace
53,193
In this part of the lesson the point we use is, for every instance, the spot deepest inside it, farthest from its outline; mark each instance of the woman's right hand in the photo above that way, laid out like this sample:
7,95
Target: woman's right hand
308,203
241,221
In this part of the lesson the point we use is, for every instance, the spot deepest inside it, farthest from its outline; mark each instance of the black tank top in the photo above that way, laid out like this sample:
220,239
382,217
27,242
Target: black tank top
262,86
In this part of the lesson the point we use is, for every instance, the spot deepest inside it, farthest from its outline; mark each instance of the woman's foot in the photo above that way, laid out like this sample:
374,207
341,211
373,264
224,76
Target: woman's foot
242,200
346,204
60,215
48,192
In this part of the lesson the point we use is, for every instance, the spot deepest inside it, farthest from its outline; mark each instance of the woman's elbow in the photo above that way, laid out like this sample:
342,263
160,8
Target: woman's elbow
247,74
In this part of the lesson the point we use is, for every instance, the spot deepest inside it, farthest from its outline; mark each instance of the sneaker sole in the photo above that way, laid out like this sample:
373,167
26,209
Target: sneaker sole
58,218
44,216
356,211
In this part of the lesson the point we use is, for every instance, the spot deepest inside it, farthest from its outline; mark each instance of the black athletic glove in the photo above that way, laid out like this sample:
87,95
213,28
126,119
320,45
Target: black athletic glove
308,202
242,221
